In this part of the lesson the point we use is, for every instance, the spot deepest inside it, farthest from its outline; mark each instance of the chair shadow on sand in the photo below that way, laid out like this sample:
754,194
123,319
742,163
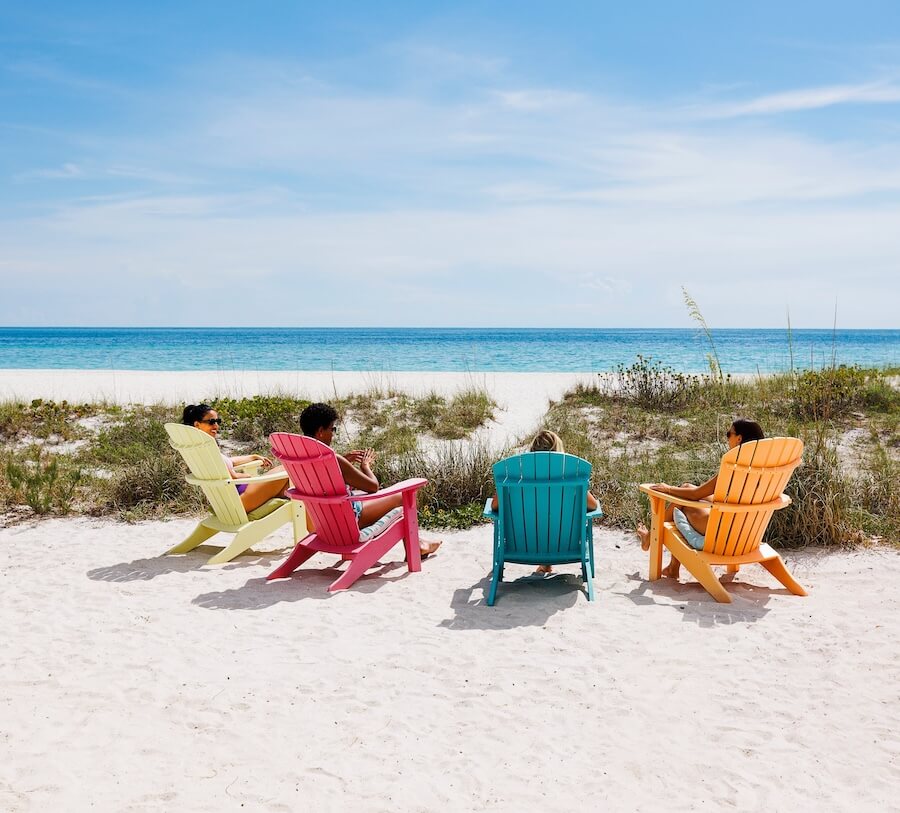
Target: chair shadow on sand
305,583
528,601
150,568
698,607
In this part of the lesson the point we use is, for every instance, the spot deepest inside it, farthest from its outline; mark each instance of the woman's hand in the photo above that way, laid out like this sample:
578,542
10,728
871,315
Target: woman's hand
266,463
662,488
364,458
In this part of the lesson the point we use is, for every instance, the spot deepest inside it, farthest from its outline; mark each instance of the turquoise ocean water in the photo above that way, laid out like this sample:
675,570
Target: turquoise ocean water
435,349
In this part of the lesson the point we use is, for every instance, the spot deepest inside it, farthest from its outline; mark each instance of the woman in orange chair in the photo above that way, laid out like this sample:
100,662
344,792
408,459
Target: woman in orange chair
691,521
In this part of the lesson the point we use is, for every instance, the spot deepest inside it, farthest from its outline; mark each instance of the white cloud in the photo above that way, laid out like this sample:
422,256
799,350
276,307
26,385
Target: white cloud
313,204
881,92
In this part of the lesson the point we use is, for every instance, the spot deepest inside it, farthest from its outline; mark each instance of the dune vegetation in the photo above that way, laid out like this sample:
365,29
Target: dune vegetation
641,423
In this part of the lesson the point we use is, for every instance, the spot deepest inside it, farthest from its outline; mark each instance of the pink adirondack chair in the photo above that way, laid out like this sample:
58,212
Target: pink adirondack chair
318,483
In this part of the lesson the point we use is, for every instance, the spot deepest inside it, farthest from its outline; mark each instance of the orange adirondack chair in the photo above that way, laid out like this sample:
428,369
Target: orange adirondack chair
319,484
748,491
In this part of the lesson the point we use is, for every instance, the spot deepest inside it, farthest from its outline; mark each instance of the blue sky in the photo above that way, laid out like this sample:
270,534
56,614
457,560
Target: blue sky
507,164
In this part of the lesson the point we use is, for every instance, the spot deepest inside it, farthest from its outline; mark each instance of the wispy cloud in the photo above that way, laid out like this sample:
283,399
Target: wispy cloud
814,98
408,202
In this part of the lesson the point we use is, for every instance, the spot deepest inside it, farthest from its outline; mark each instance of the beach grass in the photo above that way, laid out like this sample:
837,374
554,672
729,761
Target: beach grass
649,424
642,423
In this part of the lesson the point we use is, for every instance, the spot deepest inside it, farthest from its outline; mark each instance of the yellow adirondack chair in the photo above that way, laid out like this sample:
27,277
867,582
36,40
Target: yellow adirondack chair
749,489
208,470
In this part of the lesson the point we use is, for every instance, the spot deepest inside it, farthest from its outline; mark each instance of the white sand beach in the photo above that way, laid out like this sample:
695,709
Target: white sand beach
135,682
132,681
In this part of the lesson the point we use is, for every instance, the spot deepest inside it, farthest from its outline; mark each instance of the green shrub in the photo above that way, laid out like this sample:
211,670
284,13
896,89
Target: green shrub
140,436
466,411
822,499
652,385
830,392
876,497
42,482
156,485
41,419
252,420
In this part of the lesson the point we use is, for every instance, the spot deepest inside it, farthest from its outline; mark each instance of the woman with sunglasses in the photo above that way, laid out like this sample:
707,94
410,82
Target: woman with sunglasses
253,495
691,521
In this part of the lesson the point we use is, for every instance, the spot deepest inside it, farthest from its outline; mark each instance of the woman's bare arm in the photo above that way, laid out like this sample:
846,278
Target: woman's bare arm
361,478
688,492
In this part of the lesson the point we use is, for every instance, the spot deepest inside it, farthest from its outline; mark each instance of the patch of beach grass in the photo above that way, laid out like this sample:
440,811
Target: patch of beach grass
377,411
42,419
459,481
647,432
45,482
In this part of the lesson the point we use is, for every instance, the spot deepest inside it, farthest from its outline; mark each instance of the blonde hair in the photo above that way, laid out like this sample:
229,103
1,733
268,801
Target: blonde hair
547,441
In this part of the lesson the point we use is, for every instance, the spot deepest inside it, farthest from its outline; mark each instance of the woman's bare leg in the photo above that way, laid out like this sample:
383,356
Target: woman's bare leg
258,493
673,569
374,510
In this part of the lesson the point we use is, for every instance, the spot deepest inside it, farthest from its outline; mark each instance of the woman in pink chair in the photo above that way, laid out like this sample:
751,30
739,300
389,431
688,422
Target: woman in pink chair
318,421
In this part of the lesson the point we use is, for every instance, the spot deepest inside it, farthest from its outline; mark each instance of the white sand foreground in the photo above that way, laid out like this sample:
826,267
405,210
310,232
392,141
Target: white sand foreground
134,682
522,398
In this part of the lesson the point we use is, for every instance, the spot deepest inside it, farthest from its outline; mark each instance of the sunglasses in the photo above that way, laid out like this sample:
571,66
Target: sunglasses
729,433
333,429
212,420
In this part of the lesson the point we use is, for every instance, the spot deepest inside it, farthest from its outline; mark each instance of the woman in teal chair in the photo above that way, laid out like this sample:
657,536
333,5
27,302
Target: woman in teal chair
547,441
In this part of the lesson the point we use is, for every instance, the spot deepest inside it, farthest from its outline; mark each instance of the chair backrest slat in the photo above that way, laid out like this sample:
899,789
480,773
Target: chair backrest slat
204,460
313,469
542,498
750,474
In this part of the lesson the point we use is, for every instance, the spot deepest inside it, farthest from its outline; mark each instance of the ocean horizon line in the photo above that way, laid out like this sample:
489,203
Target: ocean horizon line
424,328
734,350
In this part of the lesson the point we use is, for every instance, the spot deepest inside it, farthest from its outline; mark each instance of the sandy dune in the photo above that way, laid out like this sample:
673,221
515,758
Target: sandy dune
522,398
132,682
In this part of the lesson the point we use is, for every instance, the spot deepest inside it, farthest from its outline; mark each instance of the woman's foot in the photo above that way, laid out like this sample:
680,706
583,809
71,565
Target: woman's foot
427,548
672,570
643,536
543,570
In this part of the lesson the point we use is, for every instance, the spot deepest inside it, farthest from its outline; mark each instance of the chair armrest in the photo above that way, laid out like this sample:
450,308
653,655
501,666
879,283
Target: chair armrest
645,487
250,465
260,478
489,512
597,512
412,484
398,488
782,501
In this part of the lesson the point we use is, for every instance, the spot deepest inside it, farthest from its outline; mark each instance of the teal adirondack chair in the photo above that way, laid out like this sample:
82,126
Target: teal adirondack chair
541,517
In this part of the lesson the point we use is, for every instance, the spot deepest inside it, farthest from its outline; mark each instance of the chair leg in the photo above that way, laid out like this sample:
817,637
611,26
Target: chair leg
297,557
701,571
495,580
197,537
658,507
587,568
733,568
243,540
411,532
590,532
363,560
777,568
